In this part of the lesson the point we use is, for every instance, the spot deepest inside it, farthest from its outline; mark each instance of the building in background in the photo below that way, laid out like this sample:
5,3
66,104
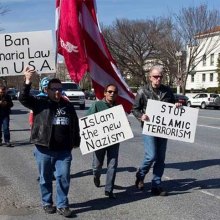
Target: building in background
205,75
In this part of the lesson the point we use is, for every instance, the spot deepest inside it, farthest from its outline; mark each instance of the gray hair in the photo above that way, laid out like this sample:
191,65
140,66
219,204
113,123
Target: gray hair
156,67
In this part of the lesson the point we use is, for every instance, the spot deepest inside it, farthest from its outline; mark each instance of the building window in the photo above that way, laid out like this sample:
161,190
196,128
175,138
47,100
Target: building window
203,77
211,77
212,59
204,60
192,78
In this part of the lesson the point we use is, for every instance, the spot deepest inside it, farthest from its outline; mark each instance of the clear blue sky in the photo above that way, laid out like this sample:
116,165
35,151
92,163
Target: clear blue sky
36,15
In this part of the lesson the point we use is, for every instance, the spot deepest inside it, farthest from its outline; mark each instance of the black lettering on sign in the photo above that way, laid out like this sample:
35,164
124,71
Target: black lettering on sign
104,141
163,108
16,42
38,54
96,120
157,129
4,70
11,56
45,65
17,68
111,127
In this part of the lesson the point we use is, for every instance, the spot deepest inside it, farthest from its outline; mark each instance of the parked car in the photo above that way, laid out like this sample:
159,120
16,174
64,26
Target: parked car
13,93
204,100
90,95
181,99
74,94
217,102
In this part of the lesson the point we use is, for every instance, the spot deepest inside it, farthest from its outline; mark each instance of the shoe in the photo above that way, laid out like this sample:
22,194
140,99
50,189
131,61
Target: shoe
158,191
1,144
49,209
97,181
66,212
139,184
8,144
111,195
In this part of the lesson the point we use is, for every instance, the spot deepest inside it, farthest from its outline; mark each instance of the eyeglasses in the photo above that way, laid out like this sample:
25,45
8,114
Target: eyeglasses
157,77
110,92
56,89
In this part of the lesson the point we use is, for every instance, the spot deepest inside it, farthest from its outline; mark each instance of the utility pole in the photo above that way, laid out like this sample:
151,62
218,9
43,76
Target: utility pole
178,56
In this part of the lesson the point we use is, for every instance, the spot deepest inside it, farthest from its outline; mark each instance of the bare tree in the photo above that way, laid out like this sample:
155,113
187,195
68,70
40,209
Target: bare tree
196,27
131,44
167,43
137,45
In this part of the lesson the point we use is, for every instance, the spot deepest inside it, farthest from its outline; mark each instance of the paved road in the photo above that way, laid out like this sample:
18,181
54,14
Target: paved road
192,177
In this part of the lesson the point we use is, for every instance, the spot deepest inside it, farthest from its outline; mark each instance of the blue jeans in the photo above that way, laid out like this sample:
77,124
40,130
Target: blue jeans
49,163
154,152
4,122
112,164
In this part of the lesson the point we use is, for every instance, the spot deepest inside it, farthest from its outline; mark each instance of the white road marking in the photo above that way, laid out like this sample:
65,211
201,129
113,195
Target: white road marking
202,191
210,194
208,126
209,117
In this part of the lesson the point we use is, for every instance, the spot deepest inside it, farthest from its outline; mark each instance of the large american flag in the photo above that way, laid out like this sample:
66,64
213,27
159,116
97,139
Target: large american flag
80,41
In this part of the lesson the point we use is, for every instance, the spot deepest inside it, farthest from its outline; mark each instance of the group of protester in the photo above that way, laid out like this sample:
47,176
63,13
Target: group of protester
55,132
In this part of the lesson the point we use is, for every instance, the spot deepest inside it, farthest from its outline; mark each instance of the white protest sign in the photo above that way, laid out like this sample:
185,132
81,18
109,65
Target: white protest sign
168,121
18,50
104,129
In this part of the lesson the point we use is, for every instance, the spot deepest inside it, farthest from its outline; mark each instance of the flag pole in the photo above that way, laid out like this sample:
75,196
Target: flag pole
57,34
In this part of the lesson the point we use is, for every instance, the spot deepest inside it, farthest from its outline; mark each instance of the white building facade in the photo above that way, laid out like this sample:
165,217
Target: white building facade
204,75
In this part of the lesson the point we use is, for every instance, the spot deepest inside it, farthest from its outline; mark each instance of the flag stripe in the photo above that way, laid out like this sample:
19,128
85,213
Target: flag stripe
103,78
82,44
91,28
113,64
105,67
104,63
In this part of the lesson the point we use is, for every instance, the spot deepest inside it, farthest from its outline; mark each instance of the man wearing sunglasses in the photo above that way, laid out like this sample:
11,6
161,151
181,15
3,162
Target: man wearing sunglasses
154,147
55,132
110,95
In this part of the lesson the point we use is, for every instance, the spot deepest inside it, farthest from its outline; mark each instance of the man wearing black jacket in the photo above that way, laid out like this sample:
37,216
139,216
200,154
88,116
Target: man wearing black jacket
55,132
154,147
5,109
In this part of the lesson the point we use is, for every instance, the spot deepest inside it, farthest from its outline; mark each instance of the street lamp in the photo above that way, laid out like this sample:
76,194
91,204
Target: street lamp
178,56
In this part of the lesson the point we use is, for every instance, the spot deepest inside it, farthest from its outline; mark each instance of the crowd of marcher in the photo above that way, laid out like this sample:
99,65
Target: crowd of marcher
55,132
